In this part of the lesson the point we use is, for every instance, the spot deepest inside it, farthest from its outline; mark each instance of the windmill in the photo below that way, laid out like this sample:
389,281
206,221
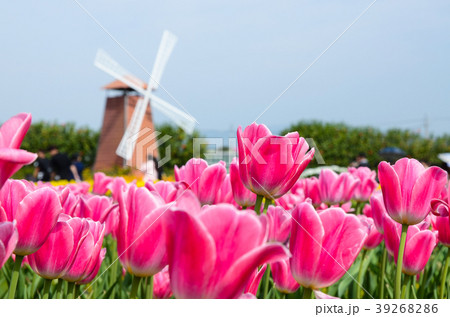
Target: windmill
136,99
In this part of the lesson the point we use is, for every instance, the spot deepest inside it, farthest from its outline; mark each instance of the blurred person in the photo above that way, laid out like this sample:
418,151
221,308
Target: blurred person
151,169
360,161
60,165
77,167
42,168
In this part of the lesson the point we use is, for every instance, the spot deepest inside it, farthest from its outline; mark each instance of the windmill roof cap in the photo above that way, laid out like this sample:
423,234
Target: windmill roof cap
119,85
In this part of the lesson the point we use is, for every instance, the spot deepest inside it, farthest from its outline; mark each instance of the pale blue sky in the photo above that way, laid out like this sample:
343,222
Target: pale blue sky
234,58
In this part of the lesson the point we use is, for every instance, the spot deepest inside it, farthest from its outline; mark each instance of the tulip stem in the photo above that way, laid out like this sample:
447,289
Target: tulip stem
70,290
406,286
47,285
266,282
135,286
267,203
360,275
259,199
383,271
15,276
423,283
58,289
358,207
444,275
149,293
307,293
76,291
401,251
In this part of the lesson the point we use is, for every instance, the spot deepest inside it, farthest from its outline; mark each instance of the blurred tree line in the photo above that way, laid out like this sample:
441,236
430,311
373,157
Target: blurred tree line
73,140
67,137
181,146
339,143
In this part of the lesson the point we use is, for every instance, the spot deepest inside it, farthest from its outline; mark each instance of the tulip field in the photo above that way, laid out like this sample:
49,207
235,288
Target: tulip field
252,230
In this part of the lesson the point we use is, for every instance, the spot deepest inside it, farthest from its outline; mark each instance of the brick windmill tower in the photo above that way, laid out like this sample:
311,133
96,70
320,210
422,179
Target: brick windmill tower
128,136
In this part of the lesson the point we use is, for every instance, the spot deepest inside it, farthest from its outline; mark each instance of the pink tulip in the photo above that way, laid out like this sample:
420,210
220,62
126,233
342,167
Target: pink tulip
311,189
289,200
97,263
270,165
69,202
205,181
11,194
117,185
323,245
225,193
408,189
81,188
161,284
98,208
242,196
282,277
86,259
12,158
167,190
374,238
36,213
255,280
336,189
279,221
214,254
101,182
57,254
186,200
440,205
8,240
141,242
377,211
442,226
367,183
420,243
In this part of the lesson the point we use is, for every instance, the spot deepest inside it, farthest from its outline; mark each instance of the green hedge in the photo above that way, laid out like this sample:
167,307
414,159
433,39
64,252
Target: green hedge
339,143
68,138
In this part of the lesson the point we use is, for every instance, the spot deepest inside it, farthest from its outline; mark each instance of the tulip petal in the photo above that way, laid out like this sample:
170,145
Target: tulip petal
14,129
255,280
239,273
408,171
8,240
282,277
343,240
210,182
428,186
36,216
51,260
234,233
192,256
147,251
11,160
390,186
418,251
307,234
11,195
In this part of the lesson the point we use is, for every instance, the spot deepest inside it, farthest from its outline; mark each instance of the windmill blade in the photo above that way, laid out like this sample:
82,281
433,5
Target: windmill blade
168,42
126,145
106,63
182,119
